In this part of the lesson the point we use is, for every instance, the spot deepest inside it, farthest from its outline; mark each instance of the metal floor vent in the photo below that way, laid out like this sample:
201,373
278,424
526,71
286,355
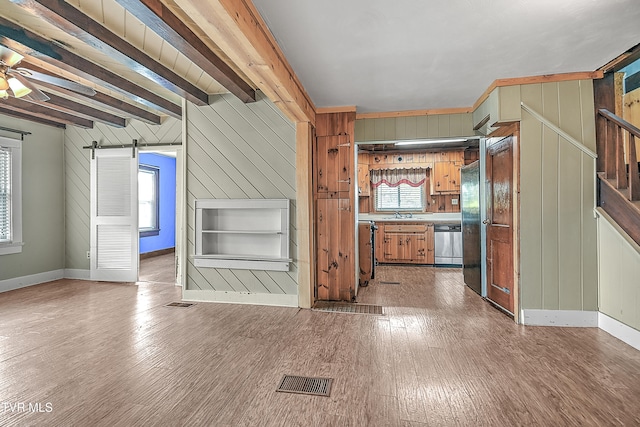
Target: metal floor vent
305,385
345,307
179,304
382,282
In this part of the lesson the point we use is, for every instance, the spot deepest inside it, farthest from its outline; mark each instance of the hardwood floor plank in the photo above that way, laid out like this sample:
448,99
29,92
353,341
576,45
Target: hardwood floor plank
113,354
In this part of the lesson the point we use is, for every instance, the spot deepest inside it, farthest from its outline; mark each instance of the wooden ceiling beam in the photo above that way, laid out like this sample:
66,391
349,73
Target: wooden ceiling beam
66,17
155,15
238,29
81,110
30,45
10,111
39,110
100,99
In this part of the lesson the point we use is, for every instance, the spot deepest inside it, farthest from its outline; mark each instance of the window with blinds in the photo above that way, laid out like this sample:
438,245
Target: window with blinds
403,197
5,194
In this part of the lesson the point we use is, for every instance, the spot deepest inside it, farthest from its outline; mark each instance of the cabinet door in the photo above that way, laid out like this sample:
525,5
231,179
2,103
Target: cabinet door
416,248
393,249
335,236
440,178
364,183
334,164
429,241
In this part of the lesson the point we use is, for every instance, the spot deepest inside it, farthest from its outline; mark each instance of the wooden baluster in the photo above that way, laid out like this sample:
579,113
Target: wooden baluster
621,167
610,156
601,143
634,171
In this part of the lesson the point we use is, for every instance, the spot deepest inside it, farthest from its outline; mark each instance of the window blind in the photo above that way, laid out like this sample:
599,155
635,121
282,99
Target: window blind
403,197
5,194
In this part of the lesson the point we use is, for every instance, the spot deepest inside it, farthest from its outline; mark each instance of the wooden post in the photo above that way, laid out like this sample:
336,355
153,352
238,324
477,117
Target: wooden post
634,171
621,167
304,215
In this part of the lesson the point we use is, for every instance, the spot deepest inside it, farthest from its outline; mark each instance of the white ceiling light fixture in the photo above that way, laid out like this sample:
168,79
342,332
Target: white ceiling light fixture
430,141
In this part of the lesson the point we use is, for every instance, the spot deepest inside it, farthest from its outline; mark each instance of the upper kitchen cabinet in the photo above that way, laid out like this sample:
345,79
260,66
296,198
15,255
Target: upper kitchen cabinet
364,181
334,156
445,175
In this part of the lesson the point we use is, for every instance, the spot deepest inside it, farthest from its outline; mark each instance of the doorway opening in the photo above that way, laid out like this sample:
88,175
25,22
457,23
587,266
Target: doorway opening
157,188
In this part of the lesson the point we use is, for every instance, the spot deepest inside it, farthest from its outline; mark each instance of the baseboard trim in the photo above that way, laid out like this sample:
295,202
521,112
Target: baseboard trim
623,332
73,273
565,318
157,253
280,300
30,280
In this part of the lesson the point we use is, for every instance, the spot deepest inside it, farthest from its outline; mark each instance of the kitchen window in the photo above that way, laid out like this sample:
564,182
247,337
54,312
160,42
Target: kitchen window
10,196
400,198
399,189
148,201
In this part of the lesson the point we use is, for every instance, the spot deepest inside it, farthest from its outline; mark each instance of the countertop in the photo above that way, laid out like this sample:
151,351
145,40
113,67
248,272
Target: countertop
426,217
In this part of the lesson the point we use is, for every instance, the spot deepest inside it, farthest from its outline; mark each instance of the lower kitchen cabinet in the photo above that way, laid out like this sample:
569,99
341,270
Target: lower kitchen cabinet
408,243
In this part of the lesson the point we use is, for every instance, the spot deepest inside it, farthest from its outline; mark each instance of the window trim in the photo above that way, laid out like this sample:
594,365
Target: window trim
425,202
155,231
14,246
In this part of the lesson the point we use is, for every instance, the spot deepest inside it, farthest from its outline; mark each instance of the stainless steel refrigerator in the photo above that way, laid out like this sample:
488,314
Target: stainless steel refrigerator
472,213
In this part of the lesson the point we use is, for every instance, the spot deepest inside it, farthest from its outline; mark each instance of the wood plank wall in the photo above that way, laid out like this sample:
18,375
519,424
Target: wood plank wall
619,269
237,150
77,175
335,211
432,126
558,230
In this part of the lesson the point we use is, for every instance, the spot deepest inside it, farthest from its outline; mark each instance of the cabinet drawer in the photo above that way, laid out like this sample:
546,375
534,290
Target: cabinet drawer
405,228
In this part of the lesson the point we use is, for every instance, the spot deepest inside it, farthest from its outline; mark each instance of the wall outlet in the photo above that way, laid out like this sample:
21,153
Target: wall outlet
454,201
88,254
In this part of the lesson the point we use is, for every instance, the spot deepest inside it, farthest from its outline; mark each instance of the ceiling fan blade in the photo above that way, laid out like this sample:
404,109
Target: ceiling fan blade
9,57
35,94
67,84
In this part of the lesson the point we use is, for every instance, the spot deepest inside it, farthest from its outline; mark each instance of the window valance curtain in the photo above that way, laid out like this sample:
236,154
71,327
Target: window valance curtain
414,177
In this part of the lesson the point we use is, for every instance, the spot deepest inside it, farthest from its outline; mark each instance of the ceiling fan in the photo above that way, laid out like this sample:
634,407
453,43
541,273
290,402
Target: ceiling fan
16,81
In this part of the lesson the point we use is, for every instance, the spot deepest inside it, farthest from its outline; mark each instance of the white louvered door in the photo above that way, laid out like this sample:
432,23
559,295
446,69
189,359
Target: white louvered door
114,216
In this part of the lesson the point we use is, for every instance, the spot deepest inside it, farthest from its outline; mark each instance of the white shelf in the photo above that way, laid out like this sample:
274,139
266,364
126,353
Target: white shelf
242,233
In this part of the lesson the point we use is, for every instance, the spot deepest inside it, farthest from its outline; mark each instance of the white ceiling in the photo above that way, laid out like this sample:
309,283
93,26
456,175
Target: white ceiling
392,55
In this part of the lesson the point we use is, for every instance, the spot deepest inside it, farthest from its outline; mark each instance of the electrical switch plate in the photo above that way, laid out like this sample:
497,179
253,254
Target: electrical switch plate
454,201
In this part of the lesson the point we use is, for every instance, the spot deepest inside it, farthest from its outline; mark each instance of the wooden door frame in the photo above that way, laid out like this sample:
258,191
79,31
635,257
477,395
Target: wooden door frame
506,130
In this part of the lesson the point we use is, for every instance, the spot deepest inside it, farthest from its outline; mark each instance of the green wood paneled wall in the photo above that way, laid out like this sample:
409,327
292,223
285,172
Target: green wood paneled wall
396,128
240,151
558,260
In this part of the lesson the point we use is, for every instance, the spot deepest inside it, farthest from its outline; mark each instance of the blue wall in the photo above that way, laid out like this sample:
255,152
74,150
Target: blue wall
167,237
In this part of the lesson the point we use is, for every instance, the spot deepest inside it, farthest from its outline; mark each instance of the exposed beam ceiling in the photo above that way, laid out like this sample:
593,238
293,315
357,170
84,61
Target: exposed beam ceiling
99,99
10,111
43,112
238,29
30,45
71,107
171,28
140,62
71,20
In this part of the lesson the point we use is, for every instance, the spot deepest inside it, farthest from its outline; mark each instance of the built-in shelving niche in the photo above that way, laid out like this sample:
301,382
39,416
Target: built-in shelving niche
250,234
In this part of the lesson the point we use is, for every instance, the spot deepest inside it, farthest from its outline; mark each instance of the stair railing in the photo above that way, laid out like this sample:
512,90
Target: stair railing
614,131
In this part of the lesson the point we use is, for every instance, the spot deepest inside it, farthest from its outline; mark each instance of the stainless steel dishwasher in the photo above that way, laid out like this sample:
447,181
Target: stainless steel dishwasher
448,244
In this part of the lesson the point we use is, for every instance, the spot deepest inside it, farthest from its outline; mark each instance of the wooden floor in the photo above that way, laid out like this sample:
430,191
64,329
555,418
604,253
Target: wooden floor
101,354
159,269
